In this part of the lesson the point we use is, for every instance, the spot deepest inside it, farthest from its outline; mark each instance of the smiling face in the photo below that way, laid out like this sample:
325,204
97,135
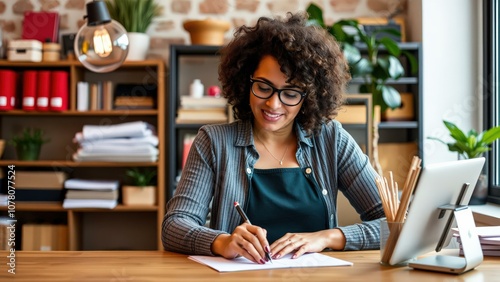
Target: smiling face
271,114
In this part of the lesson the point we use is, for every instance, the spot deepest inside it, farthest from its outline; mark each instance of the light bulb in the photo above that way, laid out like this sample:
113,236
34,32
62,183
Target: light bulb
101,44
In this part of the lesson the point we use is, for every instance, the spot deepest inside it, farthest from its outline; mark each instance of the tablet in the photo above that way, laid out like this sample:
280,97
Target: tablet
438,185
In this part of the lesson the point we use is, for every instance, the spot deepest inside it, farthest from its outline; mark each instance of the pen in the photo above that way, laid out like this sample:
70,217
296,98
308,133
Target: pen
245,219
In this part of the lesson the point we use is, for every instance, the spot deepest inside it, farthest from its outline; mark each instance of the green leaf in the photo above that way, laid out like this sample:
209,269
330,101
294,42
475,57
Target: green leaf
412,60
134,15
381,70
315,15
491,135
391,46
395,70
391,96
351,54
455,132
362,68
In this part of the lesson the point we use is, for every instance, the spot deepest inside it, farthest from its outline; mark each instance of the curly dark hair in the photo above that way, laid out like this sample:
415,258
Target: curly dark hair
309,57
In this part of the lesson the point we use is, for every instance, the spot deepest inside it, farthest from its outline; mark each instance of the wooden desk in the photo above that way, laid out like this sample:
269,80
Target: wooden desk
166,266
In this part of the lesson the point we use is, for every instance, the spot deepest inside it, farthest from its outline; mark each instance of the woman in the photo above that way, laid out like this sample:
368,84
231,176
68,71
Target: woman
284,160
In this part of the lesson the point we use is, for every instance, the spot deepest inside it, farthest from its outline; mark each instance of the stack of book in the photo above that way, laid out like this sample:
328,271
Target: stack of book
82,193
206,109
489,237
125,142
94,96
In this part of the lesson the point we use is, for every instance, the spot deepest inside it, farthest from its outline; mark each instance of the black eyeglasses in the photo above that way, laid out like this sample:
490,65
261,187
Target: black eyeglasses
287,96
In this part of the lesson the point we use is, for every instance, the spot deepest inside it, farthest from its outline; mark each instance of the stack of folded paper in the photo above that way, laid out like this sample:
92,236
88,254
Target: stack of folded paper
489,237
85,193
125,142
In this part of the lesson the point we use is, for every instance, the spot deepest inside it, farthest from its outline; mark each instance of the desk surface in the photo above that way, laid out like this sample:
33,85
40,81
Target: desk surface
166,266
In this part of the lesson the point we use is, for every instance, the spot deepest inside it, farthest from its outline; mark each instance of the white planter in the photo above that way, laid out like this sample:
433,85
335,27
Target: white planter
135,195
138,46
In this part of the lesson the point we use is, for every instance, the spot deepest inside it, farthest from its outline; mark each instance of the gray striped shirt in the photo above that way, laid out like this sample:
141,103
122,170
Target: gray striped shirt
219,169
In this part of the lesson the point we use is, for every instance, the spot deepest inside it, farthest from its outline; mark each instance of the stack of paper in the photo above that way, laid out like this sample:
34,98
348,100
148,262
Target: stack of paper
206,109
83,193
126,142
489,237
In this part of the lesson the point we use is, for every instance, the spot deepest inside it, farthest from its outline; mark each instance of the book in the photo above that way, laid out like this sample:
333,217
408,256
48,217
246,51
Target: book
29,90
127,129
489,238
43,94
92,194
107,95
187,142
89,203
94,97
91,184
82,96
203,102
8,83
185,115
42,26
59,93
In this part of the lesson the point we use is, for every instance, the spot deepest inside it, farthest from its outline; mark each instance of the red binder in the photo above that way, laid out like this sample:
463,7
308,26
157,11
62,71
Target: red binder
7,89
42,26
29,90
43,94
59,91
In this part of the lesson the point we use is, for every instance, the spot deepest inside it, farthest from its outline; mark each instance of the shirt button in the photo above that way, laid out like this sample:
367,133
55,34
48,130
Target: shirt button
324,192
308,170
249,170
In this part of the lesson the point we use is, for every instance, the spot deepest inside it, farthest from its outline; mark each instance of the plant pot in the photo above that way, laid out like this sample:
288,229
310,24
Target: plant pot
136,195
207,32
28,152
138,46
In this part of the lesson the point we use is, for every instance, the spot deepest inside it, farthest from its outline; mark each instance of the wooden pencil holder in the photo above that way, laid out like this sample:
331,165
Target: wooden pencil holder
389,234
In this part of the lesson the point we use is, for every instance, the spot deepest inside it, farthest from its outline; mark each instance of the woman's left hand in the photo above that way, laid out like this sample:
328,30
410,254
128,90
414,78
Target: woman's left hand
301,243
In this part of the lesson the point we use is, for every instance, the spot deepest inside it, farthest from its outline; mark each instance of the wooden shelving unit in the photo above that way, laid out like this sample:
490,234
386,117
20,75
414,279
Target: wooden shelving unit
137,227
188,62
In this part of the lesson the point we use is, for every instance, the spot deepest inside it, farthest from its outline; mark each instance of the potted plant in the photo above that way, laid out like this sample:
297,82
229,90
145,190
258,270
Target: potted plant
142,191
28,144
375,69
135,16
471,145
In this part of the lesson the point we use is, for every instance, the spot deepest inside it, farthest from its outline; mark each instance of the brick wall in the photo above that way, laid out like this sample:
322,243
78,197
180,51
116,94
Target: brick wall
167,29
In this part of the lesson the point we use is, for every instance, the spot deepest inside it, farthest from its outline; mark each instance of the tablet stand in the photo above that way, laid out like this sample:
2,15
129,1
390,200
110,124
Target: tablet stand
473,255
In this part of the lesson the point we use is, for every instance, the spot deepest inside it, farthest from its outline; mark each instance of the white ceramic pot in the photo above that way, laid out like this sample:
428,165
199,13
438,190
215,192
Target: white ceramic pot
138,46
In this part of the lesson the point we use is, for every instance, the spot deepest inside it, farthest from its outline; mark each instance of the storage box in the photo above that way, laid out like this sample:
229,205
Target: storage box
44,237
396,157
405,112
40,179
25,50
354,114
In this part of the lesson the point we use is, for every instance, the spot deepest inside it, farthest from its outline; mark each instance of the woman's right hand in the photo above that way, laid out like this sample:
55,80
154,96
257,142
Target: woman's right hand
246,240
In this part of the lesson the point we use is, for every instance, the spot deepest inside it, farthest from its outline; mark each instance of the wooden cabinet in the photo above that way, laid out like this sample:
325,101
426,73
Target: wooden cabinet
124,227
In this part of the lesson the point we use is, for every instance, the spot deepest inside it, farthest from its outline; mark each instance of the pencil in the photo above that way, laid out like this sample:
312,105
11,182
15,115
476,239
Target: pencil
245,219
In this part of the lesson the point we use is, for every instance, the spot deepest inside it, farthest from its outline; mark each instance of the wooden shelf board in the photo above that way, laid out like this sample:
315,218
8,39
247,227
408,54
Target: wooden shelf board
120,208
68,63
57,207
64,163
86,113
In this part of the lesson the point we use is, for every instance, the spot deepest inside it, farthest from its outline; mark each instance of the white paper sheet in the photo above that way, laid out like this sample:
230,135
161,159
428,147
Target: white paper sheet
240,264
